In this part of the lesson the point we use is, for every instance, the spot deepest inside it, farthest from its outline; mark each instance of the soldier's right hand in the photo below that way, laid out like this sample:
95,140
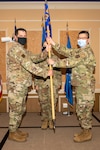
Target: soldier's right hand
50,41
50,61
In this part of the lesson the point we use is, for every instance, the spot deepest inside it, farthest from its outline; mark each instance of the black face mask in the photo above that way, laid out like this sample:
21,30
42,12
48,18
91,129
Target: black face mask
22,40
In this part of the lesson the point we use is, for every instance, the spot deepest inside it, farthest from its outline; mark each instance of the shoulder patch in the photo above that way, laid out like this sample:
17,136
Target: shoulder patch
77,56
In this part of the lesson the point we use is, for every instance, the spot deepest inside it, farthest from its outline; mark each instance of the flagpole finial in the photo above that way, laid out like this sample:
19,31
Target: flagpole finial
15,20
42,22
42,18
67,25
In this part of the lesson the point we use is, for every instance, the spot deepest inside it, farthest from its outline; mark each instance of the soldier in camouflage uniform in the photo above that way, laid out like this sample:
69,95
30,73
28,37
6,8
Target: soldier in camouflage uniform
43,89
82,61
20,67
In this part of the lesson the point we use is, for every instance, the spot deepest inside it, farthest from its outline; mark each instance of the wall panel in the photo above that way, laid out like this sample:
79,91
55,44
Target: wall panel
2,57
79,17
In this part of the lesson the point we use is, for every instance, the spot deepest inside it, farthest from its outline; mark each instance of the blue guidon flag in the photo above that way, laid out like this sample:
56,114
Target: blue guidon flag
68,86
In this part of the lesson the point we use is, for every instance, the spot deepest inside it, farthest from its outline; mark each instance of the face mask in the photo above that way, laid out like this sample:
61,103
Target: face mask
22,41
81,42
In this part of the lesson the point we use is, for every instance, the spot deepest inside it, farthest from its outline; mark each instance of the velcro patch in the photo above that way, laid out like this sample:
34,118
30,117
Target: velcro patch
82,55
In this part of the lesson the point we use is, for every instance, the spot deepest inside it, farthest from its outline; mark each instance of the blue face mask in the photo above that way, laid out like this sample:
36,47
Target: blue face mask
81,42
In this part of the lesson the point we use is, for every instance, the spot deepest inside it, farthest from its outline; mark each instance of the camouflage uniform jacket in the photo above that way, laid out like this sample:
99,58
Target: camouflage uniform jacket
57,76
20,65
82,62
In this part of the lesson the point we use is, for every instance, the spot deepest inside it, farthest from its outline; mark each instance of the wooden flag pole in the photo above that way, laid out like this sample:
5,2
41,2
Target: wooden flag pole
51,85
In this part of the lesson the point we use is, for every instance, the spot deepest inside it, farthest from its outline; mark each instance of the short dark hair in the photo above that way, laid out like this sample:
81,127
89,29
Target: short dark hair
19,29
86,32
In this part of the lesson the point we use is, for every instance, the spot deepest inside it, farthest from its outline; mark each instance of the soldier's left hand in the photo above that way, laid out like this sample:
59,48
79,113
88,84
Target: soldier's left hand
48,47
50,73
